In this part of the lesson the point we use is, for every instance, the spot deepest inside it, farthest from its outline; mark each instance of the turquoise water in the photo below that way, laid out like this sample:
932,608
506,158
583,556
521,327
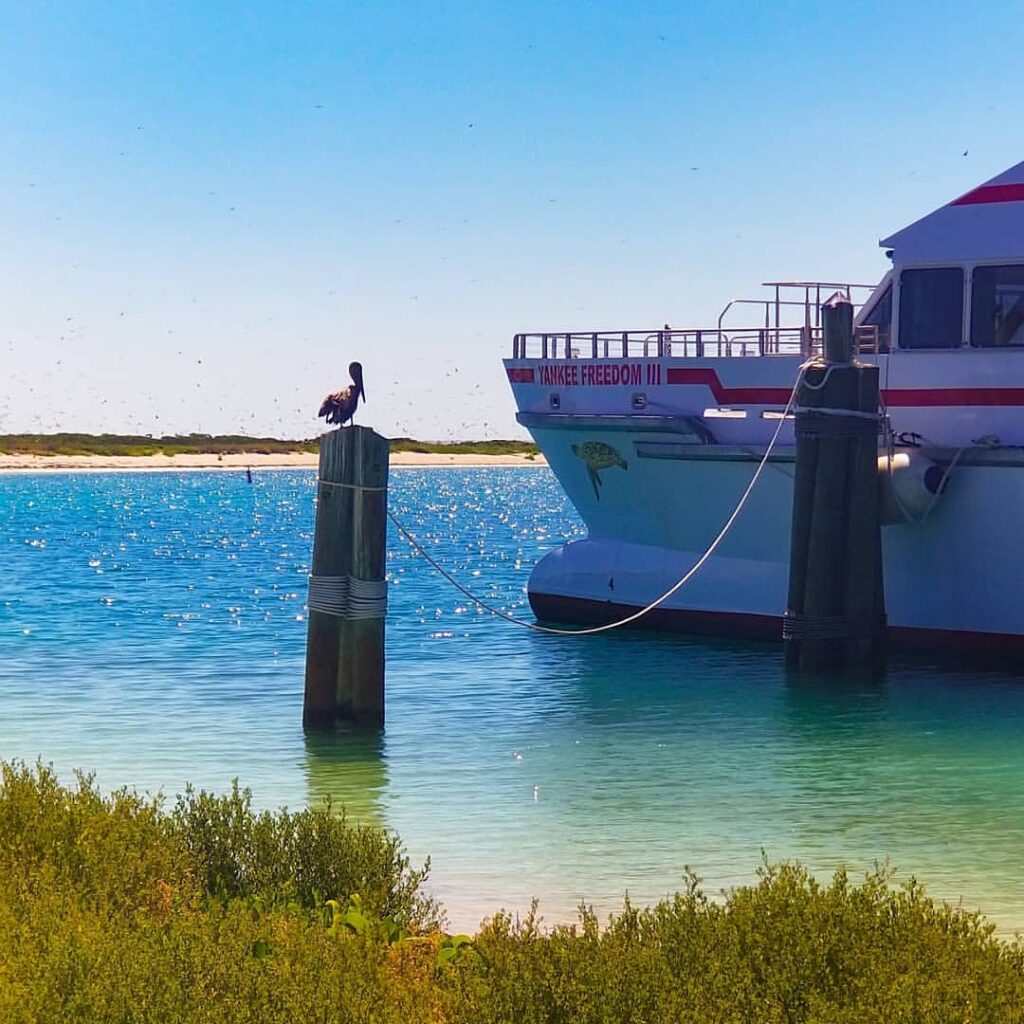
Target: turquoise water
152,630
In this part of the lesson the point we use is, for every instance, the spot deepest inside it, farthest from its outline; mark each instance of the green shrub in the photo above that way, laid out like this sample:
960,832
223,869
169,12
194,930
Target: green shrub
70,960
307,856
115,910
787,949
110,850
112,909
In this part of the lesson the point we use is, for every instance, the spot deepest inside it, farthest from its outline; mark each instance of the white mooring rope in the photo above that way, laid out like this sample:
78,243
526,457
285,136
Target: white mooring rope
712,547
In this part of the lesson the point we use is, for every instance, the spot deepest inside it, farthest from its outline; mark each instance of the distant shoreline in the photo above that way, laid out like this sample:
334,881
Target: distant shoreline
240,460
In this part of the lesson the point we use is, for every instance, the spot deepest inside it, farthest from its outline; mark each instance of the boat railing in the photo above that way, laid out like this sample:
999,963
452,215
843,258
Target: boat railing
689,343
796,301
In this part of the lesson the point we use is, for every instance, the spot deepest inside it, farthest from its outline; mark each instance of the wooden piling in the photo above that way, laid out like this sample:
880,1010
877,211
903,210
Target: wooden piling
369,558
826,550
807,396
835,616
345,639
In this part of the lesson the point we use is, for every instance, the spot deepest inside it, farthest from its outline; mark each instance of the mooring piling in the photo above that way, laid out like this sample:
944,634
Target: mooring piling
347,588
835,615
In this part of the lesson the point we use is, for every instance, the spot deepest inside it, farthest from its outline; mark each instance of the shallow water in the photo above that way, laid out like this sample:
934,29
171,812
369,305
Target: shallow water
152,629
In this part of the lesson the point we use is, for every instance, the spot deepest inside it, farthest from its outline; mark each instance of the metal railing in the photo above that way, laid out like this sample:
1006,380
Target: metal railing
696,343
772,337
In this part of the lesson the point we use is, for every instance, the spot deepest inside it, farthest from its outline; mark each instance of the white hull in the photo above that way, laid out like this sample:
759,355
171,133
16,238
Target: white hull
958,572
654,435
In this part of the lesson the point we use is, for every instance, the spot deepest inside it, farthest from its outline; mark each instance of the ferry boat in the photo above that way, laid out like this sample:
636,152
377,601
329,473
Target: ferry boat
655,435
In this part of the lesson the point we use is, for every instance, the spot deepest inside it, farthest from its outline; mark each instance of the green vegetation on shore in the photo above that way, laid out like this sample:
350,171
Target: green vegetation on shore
225,444
130,444
121,909
497,447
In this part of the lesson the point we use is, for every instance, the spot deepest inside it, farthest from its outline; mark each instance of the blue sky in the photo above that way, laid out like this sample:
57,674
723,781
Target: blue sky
209,209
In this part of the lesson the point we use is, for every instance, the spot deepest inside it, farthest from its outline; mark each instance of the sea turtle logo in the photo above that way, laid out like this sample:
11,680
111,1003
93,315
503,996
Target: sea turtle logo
598,455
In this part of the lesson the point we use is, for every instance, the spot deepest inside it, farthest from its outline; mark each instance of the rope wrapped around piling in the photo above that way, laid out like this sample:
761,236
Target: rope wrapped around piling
830,627
835,423
347,597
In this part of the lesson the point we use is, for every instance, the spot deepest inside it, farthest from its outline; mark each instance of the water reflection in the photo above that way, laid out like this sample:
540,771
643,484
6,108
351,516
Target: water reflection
924,768
819,708
350,770
646,753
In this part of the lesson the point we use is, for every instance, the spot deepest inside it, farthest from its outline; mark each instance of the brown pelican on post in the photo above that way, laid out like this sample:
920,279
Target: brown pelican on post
341,405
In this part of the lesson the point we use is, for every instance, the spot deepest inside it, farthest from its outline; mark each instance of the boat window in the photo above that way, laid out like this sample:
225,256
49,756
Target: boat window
877,325
931,308
997,306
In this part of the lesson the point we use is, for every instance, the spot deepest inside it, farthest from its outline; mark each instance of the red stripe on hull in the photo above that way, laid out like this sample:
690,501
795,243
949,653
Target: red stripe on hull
736,396
894,397
931,397
1013,193
969,645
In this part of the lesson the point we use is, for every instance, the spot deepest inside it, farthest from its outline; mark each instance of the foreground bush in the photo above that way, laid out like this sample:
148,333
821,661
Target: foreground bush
114,850
115,909
303,856
784,950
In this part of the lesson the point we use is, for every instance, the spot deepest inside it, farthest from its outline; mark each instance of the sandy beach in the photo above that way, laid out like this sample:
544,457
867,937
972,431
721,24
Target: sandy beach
294,460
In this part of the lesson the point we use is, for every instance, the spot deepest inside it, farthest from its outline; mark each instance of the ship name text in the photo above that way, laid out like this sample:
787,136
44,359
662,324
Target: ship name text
569,375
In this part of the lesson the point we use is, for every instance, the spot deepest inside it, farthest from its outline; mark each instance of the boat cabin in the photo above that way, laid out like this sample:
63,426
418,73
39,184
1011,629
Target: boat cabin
957,283
958,274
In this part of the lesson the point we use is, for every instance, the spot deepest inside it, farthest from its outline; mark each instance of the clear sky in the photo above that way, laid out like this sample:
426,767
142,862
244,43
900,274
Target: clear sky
209,209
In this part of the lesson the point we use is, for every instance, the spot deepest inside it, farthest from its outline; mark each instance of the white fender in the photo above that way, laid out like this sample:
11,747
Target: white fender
909,485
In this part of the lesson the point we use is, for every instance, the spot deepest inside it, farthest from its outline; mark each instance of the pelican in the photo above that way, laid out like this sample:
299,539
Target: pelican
341,405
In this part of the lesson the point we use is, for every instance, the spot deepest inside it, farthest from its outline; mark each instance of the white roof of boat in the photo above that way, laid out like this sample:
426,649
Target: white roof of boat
986,223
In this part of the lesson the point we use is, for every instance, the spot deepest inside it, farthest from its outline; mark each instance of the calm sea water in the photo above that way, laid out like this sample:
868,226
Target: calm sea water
152,630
